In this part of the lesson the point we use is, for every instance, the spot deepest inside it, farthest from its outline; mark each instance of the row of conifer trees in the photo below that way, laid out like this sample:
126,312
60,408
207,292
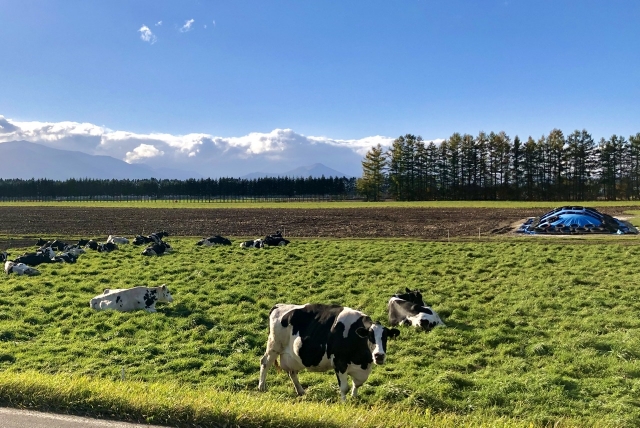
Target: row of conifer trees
495,167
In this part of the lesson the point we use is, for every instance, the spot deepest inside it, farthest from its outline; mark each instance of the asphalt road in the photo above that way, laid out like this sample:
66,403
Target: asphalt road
12,418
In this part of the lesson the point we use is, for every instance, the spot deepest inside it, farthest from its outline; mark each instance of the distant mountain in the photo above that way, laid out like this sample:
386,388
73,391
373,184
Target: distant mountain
316,170
25,160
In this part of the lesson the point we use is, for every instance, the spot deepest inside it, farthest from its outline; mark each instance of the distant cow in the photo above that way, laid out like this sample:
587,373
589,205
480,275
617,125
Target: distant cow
92,244
275,239
20,269
131,299
107,247
75,250
154,237
37,258
65,258
214,240
409,309
56,244
82,242
256,243
157,249
117,240
324,337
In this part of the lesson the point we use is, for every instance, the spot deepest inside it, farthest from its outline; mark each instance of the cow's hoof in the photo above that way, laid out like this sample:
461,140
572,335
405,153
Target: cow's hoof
262,387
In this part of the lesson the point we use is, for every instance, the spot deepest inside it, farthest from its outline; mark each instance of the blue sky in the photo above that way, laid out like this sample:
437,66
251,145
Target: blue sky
344,71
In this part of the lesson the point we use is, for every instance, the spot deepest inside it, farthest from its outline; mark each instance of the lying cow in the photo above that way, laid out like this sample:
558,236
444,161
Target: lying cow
256,243
214,240
131,299
65,258
409,309
3,256
157,249
39,257
324,337
20,269
117,239
74,250
275,240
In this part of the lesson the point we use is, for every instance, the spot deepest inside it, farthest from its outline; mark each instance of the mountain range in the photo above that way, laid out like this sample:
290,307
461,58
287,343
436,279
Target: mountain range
25,160
316,170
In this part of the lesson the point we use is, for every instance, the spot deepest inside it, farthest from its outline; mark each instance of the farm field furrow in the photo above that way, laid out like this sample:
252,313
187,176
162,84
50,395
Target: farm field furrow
421,223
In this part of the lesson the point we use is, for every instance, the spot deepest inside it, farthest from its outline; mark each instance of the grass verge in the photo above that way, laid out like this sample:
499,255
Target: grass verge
185,406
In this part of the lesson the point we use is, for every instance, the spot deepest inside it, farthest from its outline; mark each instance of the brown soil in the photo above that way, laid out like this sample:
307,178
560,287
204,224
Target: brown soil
22,223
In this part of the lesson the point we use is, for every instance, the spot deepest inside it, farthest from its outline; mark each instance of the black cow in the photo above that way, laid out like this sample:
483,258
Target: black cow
275,240
35,259
107,247
157,249
82,242
140,240
409,309
324,337
92,244
214,240
3,256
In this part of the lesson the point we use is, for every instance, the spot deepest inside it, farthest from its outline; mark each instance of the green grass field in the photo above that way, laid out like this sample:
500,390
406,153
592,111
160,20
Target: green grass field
537,331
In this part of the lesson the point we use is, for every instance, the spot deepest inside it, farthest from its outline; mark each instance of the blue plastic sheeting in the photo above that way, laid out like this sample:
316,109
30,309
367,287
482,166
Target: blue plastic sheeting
572,220
576,220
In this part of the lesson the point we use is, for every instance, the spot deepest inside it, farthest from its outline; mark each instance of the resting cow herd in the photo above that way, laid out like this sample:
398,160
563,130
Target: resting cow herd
315,337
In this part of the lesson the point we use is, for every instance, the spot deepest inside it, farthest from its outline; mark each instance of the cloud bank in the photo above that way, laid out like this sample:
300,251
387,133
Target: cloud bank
211,156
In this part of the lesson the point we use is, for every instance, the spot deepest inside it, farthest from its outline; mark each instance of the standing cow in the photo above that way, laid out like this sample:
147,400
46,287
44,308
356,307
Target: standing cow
323,337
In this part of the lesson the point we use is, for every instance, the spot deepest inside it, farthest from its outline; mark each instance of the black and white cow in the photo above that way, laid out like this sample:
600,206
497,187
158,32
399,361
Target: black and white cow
409,309
319,338
275,240
131,298
65,258
214,240
74,250
154,237
117,239
20,269
3,256
256,243
157,249
39,257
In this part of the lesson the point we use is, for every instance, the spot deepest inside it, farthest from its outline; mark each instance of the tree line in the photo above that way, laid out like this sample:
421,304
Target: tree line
44,189
495,167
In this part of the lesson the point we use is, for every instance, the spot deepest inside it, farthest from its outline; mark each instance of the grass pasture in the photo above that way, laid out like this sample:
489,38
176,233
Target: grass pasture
538,331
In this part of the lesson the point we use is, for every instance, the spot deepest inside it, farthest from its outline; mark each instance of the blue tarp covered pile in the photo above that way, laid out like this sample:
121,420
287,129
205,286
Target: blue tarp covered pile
575,220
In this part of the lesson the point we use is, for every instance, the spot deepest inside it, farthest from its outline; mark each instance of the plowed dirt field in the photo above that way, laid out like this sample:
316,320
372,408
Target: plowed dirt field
18,223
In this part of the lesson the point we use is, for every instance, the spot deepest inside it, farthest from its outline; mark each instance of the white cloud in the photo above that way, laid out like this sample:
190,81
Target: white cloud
159,23
146,35
141,152
214,23
276,151
187,26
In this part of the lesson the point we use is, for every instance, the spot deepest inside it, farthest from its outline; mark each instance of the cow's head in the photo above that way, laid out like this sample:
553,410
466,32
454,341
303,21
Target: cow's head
3,256
164,295
8,267
413,296
200,242
377,336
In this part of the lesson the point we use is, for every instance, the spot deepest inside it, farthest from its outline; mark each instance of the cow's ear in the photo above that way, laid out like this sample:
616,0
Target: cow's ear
362,332
407,289
393,332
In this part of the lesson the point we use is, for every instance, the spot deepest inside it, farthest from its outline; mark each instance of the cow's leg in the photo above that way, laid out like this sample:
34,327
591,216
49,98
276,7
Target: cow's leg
266,362
343,384
296,383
